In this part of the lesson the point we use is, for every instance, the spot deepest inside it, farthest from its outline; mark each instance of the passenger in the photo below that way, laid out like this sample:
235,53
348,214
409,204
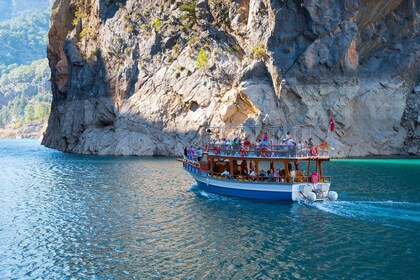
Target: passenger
235,145
258,143
186,152
223,145
244,167
310,143
270,175
265,138
261,176
300,148
199,154
191,153
288,135
284,144
277,175
289,165
265,143
247,143
305,148
228,146
257,147
300,145
217,142
253,175
226,174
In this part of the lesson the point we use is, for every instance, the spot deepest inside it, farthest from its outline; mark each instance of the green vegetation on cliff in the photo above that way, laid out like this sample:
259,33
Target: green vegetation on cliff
23,39
25,94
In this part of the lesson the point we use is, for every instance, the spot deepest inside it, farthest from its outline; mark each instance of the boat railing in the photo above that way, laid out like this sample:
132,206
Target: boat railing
267,151
192,163
279,179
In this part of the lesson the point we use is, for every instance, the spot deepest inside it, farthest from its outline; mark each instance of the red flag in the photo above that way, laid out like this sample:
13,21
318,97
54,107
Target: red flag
332,123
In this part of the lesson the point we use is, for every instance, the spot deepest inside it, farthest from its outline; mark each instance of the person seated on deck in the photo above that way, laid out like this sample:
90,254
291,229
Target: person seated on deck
277,175
261,176
270,175
226,174
253,175
244,167
238,172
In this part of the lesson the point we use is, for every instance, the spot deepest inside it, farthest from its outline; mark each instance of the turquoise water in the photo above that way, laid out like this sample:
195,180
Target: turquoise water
72,216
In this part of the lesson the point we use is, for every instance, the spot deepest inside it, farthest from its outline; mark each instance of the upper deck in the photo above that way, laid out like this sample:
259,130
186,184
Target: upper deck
268,151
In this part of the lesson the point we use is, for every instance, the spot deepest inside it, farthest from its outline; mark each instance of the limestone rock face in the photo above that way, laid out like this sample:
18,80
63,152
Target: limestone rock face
147,77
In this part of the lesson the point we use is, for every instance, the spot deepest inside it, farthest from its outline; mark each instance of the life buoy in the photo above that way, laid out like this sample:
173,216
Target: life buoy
314,178
216,149
314,151
207,148
264,151
242,151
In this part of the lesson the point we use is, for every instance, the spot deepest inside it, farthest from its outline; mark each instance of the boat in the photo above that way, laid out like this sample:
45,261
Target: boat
282,172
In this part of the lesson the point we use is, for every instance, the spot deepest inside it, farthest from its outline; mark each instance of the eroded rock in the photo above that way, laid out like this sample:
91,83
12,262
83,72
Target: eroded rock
147,77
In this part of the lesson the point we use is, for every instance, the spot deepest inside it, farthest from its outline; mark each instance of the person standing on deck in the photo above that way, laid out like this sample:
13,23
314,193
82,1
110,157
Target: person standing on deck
199,154
191,153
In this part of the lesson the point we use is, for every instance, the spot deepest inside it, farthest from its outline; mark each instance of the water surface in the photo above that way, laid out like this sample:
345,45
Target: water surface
64,215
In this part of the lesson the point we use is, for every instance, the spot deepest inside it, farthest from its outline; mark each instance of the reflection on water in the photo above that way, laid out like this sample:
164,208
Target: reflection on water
80,216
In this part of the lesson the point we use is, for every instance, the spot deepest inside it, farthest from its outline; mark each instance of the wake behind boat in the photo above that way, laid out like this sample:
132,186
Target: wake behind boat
263,170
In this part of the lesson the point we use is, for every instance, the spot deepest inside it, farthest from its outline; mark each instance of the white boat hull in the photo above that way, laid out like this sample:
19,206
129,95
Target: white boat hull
258,190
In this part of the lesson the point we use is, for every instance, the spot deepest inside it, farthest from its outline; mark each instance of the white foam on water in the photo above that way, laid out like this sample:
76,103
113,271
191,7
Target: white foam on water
381,210
194,188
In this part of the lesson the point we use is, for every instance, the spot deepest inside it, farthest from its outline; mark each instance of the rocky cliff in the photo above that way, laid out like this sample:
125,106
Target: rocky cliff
146,77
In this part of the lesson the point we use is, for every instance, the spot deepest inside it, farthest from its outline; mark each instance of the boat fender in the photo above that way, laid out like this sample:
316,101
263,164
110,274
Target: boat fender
332,195
242,151
311,197
314,151
264,151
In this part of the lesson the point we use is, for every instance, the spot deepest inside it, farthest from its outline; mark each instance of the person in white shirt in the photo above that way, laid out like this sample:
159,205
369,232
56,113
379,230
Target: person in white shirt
226,174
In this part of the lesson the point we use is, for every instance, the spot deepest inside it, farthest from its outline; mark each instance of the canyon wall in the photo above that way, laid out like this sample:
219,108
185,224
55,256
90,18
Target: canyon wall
148,77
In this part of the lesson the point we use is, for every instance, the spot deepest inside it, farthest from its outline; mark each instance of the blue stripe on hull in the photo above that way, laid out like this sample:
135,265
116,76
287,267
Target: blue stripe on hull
280,196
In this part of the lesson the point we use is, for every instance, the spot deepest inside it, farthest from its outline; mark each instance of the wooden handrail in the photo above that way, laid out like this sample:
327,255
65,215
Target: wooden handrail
273,151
